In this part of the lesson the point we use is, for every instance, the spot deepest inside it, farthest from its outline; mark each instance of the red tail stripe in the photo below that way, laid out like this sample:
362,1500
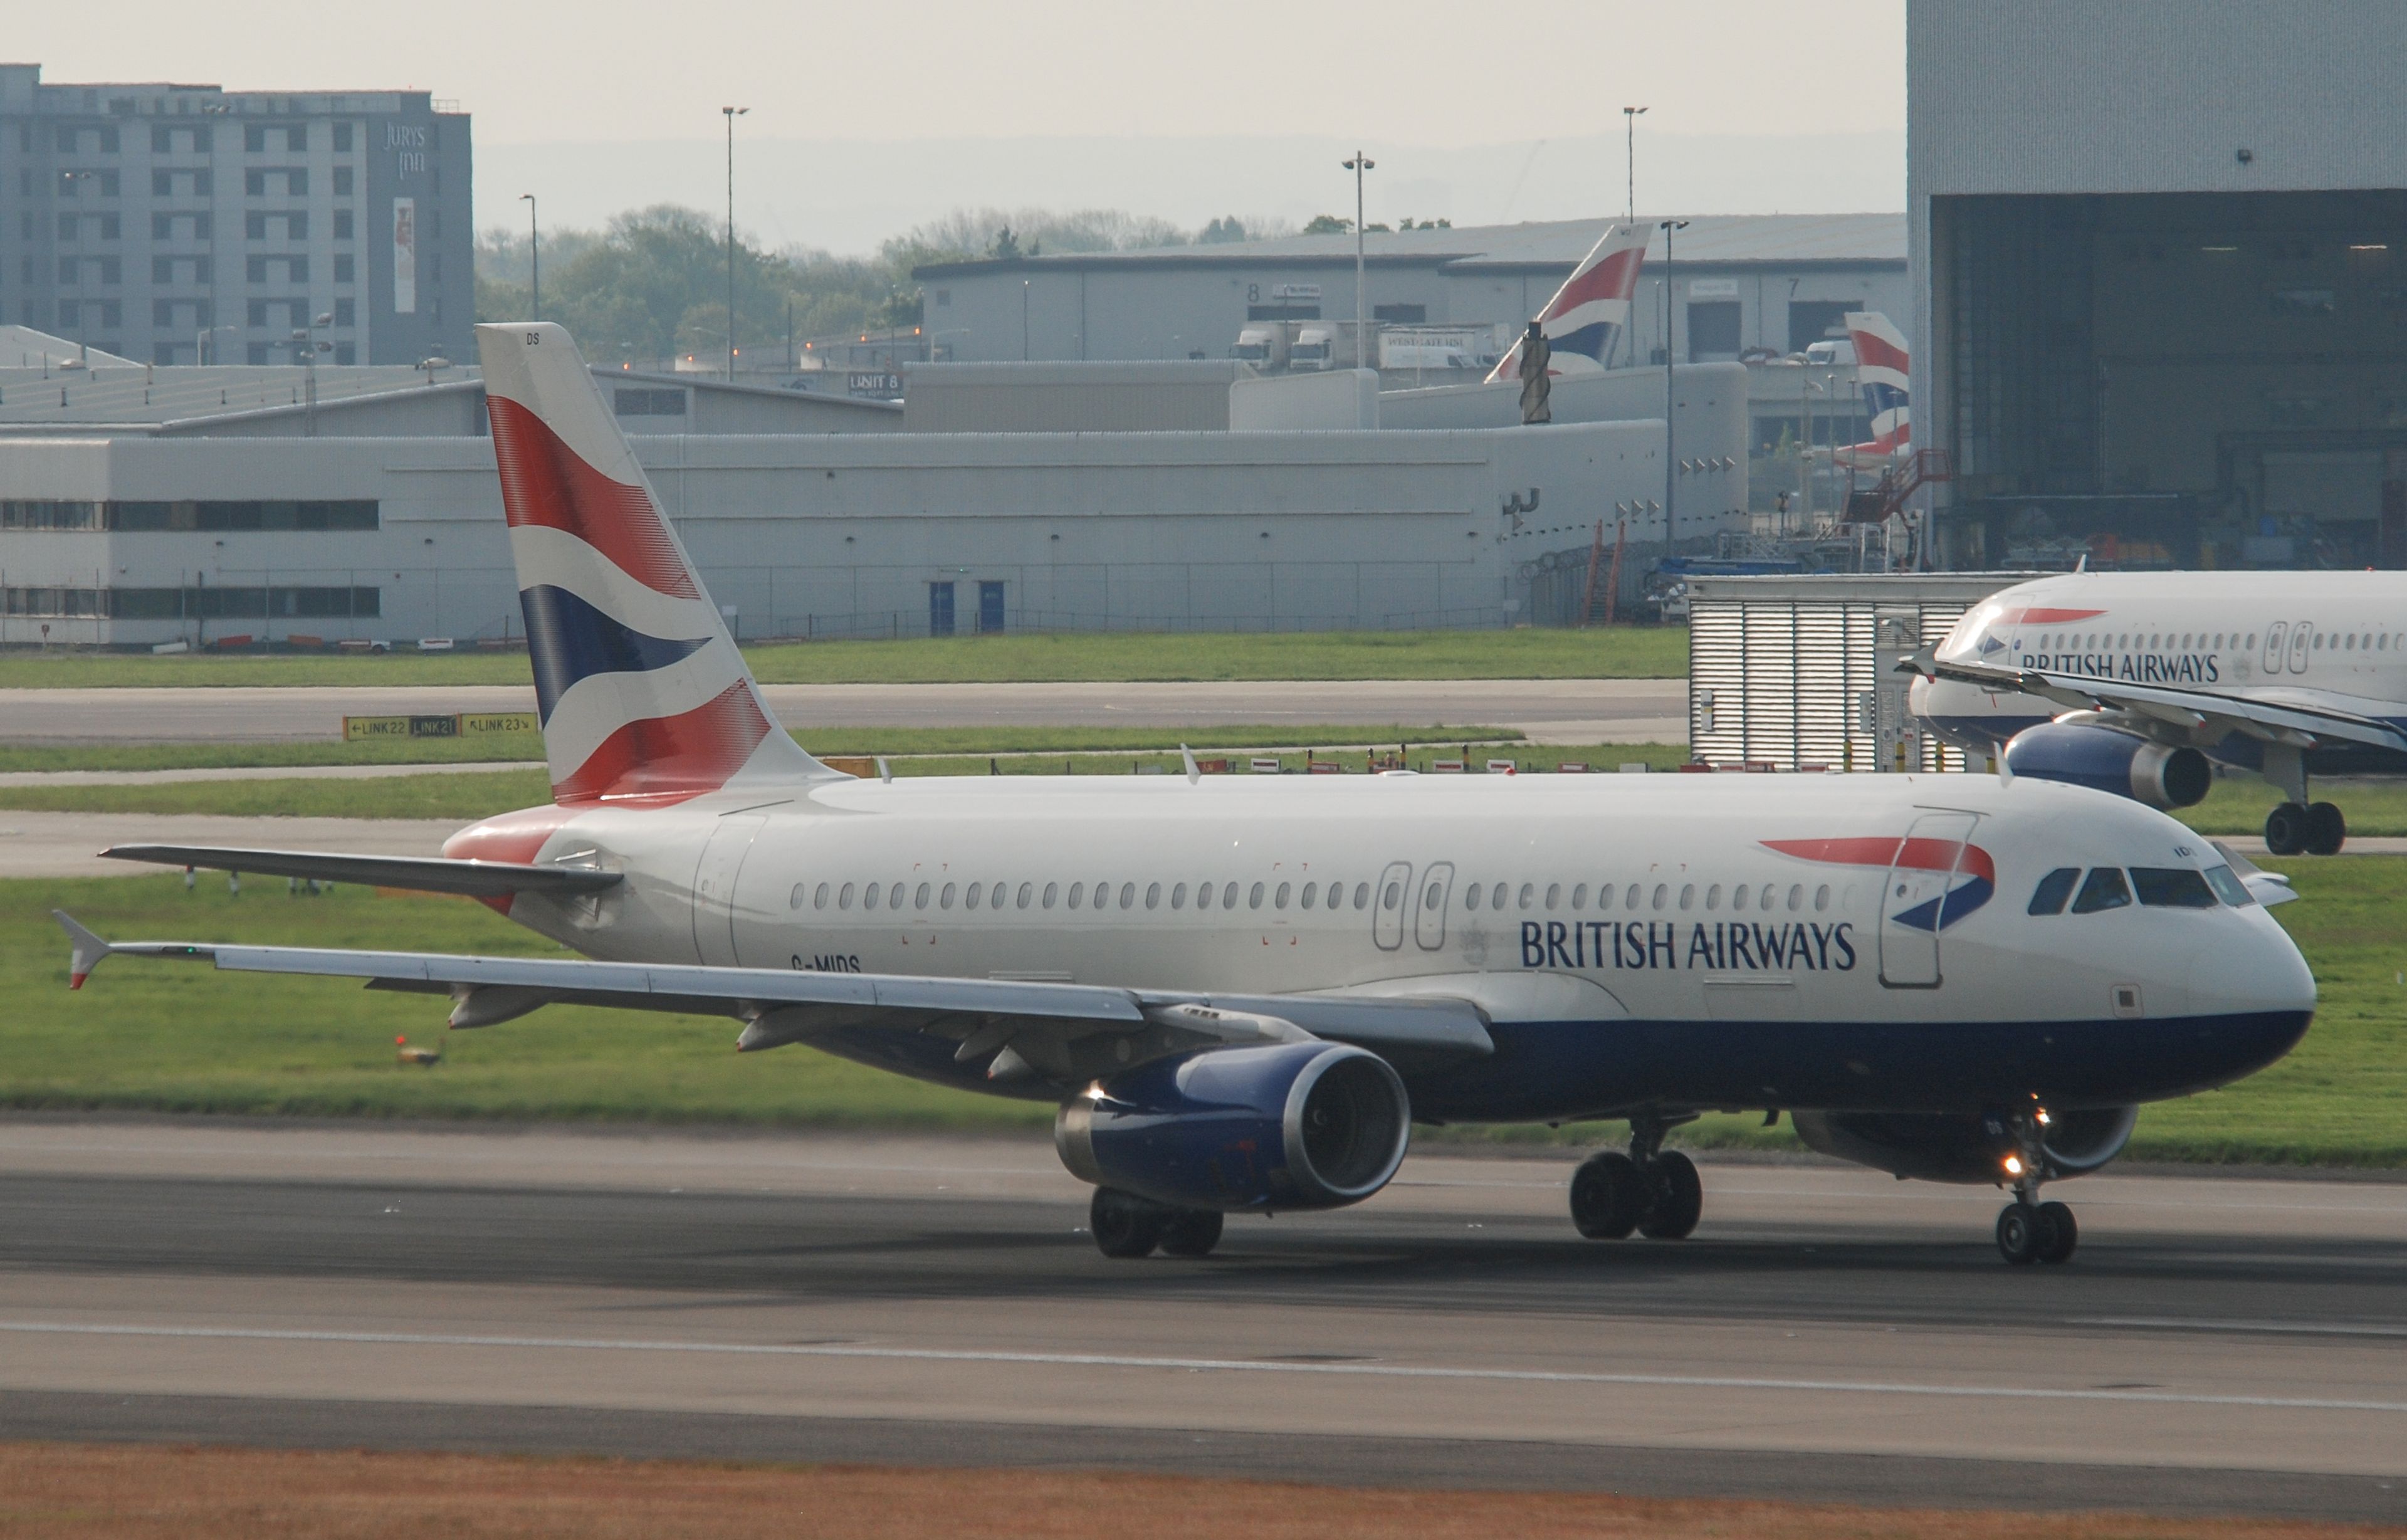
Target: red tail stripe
668,759
545,482
1614,277
1922,855
1878,352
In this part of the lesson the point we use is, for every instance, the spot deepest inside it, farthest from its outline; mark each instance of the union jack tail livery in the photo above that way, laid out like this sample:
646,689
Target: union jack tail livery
1882,358
643,694
1587,314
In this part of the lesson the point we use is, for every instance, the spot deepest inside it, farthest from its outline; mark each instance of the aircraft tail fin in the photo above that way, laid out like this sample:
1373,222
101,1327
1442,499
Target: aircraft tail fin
1883,363
643,694
1589,312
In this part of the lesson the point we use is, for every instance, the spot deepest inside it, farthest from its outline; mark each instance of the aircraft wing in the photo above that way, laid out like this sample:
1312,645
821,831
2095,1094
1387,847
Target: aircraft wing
1062,1032
2289,721
420,873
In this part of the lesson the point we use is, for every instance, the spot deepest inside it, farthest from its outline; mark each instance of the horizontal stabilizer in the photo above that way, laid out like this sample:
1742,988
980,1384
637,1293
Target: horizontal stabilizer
421,874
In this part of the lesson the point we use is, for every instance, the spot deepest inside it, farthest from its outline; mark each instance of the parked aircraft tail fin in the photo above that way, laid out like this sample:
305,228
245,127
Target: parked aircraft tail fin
643,694
1882,364
1588,313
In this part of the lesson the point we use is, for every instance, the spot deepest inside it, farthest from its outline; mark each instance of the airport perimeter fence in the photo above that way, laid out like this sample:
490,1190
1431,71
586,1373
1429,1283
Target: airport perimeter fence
898,624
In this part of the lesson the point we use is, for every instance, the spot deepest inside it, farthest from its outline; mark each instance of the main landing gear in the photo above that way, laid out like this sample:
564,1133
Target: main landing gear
2315,829
1127,1226
2298,826
2030,1230
1652,1191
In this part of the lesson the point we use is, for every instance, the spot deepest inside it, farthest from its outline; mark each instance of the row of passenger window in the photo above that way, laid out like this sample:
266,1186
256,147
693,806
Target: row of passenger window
2154,886
1000,895
1636,895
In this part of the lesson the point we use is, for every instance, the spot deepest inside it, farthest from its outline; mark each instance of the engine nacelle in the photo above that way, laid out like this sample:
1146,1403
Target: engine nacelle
1941,1148
2110,760
1292,1125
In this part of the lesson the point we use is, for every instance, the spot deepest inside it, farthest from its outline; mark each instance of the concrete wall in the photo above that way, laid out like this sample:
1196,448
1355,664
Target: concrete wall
1048,397
843,534
1342,398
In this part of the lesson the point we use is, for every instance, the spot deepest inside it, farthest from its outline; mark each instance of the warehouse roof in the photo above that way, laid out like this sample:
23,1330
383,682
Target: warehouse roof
1710,240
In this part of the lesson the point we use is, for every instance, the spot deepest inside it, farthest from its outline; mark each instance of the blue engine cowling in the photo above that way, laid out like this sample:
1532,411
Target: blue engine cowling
1947,1147
2109,760
1292,1125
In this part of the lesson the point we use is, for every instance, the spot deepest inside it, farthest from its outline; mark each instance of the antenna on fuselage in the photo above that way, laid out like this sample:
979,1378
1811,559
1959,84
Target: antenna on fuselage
2005,769
1194,771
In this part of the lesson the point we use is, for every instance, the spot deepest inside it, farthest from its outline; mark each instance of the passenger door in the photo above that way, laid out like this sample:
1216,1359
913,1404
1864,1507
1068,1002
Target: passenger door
2300,634
1921,873
714,887
1388,905
1429,921
2274,635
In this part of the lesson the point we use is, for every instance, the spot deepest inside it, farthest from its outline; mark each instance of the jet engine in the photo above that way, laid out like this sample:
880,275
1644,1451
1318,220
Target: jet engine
1292,1125
2110,760
1940,1147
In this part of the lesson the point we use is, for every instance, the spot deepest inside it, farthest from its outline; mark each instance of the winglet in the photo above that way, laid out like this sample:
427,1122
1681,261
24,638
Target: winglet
89,949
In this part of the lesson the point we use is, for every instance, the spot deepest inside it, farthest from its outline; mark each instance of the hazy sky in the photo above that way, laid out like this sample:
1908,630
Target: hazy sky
1395,74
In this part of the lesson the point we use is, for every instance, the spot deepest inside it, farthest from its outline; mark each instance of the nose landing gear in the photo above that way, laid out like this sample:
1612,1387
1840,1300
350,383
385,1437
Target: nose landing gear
2030,1230
1652,1191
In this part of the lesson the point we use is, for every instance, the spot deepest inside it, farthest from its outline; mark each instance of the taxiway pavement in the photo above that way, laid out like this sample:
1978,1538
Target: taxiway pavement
2219,1343
1570,711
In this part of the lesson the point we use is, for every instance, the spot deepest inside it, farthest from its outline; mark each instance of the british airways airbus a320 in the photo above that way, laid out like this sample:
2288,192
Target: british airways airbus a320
1242,991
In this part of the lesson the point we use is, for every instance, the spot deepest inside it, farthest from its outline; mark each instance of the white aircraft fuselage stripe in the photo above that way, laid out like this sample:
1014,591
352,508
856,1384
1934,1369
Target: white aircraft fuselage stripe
599,704
556,559
1813,954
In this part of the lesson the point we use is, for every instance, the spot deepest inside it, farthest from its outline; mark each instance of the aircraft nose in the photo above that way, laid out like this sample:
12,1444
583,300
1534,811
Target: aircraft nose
2261,971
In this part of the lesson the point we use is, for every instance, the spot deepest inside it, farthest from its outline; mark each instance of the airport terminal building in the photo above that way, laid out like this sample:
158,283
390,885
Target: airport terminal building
142,505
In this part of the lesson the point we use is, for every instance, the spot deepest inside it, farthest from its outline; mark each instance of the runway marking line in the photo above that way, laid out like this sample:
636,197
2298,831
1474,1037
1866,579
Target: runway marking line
2172,1324
1189,1365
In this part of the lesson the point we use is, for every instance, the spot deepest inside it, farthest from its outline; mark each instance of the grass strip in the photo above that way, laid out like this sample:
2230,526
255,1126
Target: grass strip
139,1491
1600,652
892,741
474,794
177,1037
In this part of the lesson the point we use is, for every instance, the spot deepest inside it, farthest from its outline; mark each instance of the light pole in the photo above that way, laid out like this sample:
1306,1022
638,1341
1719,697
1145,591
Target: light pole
1358,165
83,346
1629,121
535,253
1023,321
731,114
201,342
309,345
1670,466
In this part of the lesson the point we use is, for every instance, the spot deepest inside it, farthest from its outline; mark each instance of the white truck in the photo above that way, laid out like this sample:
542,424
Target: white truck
1265,344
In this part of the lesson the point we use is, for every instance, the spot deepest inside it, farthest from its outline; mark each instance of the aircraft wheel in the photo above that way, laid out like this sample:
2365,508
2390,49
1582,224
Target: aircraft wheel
2019,1227
1191,1232
2327,830
2285,830
1676,1198
2058,1233
1607,1195
1125,1225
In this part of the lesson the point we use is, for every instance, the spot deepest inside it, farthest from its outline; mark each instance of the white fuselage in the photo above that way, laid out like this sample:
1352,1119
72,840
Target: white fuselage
1578,903
2336,637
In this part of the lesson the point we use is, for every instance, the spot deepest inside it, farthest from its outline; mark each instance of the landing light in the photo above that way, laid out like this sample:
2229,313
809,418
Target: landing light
2014,1165
2042,1117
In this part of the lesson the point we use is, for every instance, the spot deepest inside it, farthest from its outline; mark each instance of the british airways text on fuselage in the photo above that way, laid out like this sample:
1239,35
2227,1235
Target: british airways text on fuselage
2130,667
1722,945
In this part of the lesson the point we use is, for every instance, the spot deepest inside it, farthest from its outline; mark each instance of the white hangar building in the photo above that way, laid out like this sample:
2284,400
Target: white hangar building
140,505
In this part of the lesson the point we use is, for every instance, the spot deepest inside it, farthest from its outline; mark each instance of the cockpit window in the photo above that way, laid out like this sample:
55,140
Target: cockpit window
2228,888
2172,888
2104,889
2053,889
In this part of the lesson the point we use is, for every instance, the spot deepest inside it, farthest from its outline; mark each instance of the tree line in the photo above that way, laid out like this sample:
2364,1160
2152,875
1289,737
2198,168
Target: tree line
652,283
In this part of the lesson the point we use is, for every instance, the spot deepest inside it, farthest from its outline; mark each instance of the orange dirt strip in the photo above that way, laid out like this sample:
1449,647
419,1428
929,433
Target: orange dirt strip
141,1492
